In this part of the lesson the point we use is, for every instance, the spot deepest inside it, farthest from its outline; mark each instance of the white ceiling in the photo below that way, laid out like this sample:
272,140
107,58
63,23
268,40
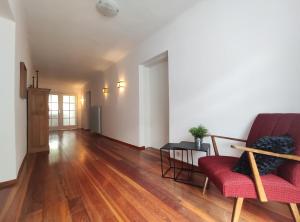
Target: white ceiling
69,39
5,11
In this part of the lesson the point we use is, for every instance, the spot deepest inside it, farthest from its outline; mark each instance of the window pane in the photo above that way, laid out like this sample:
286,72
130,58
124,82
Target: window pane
66,106
50,123
72,114
66,122
54,122
54,99
66,114
72,122
50,114
72,106
54,106
54,114
72,99
66,99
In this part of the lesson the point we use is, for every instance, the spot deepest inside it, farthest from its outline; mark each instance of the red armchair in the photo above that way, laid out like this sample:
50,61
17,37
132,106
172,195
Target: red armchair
284,186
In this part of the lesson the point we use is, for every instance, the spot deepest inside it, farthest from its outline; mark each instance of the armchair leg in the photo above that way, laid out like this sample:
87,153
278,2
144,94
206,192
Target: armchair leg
237,209
205,185
295,212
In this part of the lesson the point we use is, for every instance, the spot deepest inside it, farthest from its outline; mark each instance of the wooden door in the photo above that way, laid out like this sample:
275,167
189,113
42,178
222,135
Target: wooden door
38,126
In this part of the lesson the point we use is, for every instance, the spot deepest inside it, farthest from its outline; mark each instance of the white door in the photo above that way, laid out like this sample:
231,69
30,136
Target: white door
62,111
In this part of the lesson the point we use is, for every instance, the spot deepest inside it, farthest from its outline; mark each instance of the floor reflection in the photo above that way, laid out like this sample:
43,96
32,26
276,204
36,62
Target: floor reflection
54,143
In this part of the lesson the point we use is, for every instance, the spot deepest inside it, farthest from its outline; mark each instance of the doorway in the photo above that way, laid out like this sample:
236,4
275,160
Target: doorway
62,111
154,102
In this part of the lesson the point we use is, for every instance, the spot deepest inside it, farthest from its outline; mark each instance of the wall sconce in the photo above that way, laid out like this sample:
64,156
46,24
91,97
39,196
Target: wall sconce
82,100
105,90
121,84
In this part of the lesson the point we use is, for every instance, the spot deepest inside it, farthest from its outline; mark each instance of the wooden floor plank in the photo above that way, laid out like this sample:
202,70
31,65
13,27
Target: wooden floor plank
86,177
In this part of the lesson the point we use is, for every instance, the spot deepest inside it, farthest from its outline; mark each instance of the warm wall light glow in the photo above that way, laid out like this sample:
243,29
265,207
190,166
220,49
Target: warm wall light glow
82,100
105,90
121,84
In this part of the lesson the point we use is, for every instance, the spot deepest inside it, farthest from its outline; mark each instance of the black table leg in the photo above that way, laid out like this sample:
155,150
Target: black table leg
182,159
161,163
178,167
164,173
192,156
174,165
187,160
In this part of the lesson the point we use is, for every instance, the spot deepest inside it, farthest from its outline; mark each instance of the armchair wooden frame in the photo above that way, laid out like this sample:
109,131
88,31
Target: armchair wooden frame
215,146
257,179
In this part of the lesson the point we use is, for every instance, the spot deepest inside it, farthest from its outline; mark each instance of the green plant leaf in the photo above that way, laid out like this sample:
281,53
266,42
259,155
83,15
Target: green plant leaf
199,132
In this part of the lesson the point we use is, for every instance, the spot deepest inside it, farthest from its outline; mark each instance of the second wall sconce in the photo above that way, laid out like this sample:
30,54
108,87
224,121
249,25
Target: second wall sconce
121,84
105,90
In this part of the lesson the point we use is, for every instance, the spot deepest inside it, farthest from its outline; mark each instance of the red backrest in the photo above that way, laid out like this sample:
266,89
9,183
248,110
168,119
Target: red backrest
278,125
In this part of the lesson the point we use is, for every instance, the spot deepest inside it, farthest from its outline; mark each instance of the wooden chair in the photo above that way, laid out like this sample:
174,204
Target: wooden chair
284,186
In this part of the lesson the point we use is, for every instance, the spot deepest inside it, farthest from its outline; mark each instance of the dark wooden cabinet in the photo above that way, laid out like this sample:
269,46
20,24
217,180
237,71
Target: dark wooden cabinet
38,123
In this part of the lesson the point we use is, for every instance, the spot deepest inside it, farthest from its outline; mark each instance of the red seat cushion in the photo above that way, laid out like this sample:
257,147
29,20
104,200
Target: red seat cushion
231,184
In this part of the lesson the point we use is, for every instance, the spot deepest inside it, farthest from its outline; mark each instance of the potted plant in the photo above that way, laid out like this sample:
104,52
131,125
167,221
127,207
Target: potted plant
199,133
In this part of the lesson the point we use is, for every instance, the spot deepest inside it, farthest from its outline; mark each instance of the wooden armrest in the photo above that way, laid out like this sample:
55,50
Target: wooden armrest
213,139
229,138
253,150
258,183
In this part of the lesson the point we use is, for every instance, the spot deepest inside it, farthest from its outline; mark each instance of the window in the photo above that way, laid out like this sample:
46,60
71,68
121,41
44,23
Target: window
69,110
62,111
53,110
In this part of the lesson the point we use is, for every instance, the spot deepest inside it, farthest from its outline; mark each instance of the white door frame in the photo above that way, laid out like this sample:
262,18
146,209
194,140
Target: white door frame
143,68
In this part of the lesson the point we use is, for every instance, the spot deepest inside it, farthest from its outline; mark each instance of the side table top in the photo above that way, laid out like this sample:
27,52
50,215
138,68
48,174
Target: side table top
185,145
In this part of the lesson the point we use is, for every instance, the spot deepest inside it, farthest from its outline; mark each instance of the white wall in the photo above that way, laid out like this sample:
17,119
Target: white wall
85,110
7,111
95,85
120,118
14,143
155,104
22,54
228,61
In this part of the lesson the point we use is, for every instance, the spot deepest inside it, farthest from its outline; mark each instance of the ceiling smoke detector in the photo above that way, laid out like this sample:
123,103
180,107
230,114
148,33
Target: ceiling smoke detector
108,8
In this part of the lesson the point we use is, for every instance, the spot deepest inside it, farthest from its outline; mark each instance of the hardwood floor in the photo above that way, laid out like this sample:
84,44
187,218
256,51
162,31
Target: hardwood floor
90,178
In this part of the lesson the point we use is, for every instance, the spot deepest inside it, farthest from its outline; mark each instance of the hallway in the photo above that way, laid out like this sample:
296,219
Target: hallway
89,178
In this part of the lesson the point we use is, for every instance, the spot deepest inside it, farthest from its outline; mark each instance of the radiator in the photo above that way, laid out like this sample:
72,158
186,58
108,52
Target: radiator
95,119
